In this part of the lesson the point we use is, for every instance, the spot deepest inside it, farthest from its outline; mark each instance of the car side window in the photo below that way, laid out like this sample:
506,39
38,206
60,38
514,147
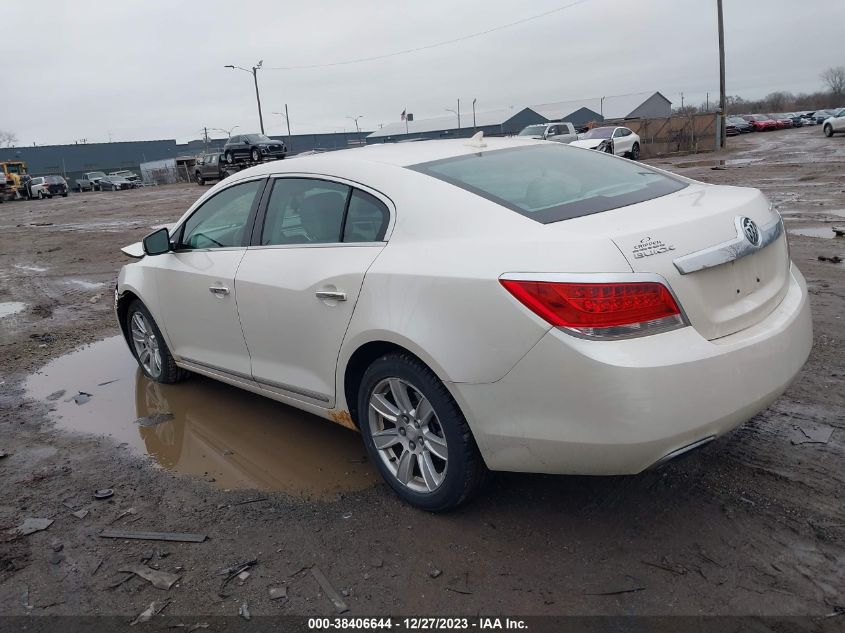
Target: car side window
221,221
304,211
617,133
366,218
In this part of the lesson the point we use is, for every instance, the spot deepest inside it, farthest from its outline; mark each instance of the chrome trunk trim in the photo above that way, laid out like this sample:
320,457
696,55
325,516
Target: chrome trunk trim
730,251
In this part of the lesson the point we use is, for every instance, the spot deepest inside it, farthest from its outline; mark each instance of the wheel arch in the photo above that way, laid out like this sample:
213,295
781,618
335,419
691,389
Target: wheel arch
364,355
121,308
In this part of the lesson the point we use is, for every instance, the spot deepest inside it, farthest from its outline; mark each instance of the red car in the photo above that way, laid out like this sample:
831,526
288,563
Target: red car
760,122
782,121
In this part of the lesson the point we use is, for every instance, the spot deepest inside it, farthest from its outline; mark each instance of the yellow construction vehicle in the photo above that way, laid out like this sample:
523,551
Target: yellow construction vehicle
13,177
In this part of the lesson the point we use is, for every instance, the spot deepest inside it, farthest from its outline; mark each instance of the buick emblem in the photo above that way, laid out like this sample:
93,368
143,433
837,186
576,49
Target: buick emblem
749,228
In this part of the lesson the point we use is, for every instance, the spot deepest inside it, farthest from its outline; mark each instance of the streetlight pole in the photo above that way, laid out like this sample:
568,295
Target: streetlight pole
473,115
254,72
459,115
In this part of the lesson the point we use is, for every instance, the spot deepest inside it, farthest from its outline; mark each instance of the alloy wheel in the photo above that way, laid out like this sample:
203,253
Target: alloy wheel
408,435
145,342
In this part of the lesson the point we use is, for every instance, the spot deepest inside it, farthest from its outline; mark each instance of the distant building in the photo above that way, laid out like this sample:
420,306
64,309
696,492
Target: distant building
644,105
72,161
495,123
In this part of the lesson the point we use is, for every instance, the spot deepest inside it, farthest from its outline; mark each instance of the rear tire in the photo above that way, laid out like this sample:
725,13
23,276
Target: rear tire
635,152
149,348
426,452
828,130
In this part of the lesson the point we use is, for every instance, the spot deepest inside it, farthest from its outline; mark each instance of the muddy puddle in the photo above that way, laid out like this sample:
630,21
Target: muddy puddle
8,308
721,162
201,427
812,231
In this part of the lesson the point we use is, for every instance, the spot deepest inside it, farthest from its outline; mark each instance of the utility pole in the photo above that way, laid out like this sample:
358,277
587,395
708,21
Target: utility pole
355,118
707,103
254,72
722,95
257,96
205,137
459,115
473,115
682,101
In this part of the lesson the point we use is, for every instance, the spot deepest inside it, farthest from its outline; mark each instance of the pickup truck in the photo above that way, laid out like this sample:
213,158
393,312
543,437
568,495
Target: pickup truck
90,181
562,132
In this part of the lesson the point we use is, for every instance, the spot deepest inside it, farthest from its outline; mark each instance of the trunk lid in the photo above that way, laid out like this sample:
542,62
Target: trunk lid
699,227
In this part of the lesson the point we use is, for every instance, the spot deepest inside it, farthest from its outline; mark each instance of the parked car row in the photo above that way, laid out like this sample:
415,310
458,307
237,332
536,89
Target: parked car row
114,181
779,121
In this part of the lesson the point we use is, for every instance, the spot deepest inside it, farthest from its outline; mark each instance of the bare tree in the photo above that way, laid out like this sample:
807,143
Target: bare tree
8,139
835,80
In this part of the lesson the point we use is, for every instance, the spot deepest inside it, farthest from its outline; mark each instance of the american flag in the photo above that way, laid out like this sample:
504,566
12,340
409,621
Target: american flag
403,114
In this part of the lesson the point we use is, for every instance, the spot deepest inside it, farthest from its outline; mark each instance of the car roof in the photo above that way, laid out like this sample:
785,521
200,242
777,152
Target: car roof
396,154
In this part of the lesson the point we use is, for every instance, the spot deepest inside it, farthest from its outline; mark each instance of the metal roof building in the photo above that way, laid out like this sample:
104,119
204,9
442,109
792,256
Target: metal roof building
496,122
74,160
635,106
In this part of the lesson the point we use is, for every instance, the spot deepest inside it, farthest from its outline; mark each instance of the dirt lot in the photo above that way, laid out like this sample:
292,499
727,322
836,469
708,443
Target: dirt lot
753,524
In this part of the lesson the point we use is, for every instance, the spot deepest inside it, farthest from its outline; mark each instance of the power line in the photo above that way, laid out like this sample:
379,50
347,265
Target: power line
430,46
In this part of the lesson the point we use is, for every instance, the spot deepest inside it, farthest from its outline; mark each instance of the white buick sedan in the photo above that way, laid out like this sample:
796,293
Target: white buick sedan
502,304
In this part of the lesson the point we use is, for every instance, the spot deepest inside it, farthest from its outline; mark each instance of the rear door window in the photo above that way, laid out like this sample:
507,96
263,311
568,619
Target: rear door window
554,182
314,211
366,219
304,211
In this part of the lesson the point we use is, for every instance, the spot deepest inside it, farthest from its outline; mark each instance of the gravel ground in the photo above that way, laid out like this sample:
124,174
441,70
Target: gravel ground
753,524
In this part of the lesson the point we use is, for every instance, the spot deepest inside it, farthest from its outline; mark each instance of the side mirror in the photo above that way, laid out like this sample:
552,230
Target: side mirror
157,242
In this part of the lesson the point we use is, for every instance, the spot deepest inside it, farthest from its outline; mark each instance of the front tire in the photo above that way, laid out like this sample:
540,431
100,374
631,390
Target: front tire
416,435
828,130
148,346
228,157
255,156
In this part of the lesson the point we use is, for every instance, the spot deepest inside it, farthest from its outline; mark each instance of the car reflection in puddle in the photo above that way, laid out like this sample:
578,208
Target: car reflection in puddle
233,437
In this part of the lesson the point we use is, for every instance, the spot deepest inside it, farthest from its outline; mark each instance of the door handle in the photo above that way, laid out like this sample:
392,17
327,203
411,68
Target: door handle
218,290
335,295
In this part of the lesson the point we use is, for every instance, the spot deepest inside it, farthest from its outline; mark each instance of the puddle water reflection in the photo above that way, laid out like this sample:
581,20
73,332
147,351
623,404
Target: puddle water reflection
811,231
8,308
240,439
716,162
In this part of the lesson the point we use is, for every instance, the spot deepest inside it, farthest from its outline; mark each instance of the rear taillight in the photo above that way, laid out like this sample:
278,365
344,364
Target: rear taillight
601,310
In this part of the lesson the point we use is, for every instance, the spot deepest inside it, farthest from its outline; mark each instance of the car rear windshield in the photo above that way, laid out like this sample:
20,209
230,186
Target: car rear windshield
550,183
54,180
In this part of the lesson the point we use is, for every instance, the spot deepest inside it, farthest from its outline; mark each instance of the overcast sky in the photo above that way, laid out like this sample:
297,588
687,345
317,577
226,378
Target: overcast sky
154,69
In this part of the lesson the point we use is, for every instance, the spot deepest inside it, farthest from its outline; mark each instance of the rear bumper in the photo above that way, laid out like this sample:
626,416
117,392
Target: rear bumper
573,406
